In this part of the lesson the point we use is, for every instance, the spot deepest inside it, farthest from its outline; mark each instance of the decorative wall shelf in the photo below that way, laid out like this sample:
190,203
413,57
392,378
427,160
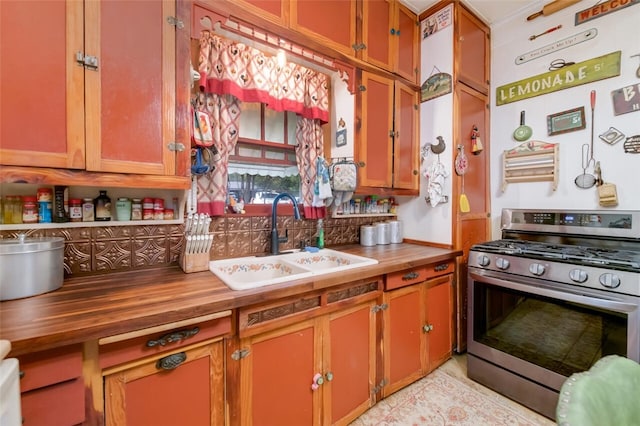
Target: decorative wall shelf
531,161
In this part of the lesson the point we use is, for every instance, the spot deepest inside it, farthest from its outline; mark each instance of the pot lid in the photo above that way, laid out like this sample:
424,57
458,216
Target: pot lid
22,244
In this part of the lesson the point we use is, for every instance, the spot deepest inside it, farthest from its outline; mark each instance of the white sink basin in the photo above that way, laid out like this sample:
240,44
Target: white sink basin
326,261
253,272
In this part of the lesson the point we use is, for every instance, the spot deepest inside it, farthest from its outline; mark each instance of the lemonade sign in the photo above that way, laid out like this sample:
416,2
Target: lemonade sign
569,76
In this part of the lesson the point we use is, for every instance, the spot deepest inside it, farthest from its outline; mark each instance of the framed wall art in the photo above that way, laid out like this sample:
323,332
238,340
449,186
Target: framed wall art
341,137
566,121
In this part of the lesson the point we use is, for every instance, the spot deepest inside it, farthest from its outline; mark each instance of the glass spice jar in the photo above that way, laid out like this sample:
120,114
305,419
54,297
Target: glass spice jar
75,210
136,209
29,209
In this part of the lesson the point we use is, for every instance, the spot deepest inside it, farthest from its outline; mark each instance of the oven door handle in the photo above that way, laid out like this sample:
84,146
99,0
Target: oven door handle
566,294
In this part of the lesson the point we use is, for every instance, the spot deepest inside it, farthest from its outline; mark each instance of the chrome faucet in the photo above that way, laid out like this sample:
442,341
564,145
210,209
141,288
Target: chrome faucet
275,239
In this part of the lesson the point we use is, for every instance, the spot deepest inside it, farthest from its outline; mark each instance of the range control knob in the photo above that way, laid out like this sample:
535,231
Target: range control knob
483,260
536,269
502,263
578,275
610,280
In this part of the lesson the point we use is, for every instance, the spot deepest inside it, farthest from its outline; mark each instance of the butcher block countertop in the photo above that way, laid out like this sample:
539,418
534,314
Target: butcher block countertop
97,306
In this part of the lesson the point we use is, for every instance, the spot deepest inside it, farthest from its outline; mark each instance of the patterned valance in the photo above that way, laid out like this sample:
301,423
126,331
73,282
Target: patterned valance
231,67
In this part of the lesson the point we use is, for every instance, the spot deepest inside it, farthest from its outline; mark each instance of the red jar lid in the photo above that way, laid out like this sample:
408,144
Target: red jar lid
77,201
29,198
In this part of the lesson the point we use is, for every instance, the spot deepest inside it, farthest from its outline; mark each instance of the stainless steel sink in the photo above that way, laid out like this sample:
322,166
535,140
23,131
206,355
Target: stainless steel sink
253,272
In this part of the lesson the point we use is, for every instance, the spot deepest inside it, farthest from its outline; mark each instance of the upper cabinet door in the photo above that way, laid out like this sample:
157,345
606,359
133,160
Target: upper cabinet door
472,51
130,97
407,55
378,23
41,99
273,10
405,145
332,22
375,147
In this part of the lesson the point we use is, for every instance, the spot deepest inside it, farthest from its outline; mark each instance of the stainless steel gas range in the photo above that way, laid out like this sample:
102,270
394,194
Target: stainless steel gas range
560,290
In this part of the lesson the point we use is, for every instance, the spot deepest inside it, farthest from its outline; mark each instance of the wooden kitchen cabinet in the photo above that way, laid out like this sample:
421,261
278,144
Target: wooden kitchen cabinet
108,103
418,323
390,38
472,50
275,11
331,22
166,376
329,342
387,148
52,388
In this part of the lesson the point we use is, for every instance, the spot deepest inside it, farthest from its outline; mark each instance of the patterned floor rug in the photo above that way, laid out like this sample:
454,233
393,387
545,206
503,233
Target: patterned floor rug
448,397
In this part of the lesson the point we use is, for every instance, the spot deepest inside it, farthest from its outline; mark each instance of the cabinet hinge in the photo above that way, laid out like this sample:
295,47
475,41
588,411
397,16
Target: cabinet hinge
359,46
87,61
362,88
379,387
416,107
175,22
238,354
391,133
175,146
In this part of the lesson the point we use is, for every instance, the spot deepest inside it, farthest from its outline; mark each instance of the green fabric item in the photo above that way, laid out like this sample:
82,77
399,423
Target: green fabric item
607,394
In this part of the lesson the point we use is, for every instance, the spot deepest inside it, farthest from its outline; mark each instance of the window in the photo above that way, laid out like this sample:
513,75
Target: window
264,161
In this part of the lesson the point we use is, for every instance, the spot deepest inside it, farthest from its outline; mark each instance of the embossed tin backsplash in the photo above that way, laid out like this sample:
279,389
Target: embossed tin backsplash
97,250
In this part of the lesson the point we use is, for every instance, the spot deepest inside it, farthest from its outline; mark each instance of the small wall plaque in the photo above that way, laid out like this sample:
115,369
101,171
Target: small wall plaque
566,121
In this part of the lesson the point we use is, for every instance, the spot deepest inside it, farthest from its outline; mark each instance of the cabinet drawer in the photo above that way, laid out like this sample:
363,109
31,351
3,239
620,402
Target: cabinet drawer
440,268
50,367
405,278
61,404
168,337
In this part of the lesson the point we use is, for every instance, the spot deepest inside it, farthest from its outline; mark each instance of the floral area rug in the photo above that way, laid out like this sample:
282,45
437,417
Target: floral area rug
448,397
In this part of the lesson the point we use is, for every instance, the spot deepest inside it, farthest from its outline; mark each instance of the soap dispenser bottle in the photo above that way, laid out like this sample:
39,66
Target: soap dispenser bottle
320,233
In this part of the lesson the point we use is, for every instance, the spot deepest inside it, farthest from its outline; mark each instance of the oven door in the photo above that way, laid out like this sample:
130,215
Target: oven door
547,331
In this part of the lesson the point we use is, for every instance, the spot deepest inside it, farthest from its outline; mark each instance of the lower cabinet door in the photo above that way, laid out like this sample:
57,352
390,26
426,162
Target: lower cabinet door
277,374
404,341
180,388
440,320
349,355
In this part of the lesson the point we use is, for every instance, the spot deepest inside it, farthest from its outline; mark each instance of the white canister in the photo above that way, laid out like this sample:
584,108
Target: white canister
368,235
396,231
384,232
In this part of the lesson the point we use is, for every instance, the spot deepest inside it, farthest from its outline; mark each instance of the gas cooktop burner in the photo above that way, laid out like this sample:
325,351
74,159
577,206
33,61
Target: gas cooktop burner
583,255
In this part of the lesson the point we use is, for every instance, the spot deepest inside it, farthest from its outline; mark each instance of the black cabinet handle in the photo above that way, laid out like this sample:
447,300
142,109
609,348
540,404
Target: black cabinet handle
173,337
441,267
410,276
172,361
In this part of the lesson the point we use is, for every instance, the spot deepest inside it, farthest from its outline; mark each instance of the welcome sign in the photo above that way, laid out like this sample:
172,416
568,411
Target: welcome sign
564,78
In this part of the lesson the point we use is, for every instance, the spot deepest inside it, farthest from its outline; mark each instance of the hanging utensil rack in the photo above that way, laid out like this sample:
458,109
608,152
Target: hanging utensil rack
532,161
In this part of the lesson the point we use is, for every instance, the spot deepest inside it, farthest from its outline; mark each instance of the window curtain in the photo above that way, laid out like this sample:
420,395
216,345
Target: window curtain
233,68
309,147
224,116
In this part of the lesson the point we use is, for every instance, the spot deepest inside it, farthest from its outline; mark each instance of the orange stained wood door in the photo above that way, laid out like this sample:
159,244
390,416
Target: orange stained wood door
41,98
439,320
377,24
329,21
273,10
408,44
130,98
404,344
473,110
277,374
190,394
349,365
473,51
405,145
375,148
